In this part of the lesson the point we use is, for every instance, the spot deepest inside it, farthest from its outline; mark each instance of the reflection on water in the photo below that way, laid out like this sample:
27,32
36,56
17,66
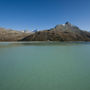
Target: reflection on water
38,43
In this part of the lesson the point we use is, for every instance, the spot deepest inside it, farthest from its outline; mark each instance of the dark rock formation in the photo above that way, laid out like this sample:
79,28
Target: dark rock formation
65,32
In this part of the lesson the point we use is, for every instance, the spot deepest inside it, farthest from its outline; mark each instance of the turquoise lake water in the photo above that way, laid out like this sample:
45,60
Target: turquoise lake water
45,66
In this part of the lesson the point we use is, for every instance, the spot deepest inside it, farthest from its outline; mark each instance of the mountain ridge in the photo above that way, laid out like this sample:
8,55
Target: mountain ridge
62,32
11,35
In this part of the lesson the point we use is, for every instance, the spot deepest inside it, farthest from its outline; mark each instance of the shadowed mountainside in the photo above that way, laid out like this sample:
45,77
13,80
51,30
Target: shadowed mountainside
65,32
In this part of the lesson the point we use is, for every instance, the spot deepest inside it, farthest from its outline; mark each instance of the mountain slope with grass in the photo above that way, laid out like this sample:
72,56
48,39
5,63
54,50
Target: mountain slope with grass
11,35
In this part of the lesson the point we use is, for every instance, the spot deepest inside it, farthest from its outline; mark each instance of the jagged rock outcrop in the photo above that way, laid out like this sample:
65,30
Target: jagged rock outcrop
11,35
65,32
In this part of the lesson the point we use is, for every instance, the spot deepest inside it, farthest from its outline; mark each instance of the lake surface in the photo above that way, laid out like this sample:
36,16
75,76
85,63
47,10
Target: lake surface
45,66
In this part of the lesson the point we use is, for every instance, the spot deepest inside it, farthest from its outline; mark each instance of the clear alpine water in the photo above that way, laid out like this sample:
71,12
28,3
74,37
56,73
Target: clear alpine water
45,66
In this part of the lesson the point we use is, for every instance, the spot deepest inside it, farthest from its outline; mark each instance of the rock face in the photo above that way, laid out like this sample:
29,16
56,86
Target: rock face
65,32
11,35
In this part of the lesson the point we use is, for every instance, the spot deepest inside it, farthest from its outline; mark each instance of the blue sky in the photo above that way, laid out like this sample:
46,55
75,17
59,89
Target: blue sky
44,14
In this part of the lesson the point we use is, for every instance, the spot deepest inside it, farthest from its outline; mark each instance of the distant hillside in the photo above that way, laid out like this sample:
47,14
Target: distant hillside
65,32
11,35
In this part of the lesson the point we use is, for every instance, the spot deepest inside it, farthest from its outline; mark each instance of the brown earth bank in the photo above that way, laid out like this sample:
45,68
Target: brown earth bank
65,32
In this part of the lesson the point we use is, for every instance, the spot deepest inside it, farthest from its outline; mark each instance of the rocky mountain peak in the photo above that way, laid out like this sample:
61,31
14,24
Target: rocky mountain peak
68,23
